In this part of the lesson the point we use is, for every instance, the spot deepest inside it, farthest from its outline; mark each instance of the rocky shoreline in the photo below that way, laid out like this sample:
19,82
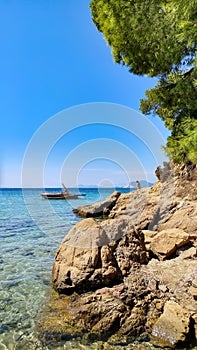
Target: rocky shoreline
134,274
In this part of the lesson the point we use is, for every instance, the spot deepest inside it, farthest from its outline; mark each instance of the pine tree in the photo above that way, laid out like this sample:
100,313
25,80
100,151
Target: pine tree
159,39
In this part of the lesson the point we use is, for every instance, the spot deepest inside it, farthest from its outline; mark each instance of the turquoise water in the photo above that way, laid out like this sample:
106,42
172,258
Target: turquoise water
31,230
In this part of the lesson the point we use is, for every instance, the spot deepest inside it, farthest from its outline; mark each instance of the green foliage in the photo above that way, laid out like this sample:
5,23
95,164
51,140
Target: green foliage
158,38
173,96
142,34
174,99
182,144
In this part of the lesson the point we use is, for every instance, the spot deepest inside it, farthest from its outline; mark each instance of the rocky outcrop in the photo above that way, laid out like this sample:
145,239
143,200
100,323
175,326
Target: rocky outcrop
134,274
98,209
139,306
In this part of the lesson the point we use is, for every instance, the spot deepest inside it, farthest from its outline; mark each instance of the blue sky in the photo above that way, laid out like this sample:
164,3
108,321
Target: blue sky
53,58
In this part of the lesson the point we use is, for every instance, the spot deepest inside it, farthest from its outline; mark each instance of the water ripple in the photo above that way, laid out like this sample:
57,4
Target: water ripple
26,259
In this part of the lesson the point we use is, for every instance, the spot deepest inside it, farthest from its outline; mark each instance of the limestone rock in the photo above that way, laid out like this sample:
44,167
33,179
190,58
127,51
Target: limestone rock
184,218
139,207
121,309
118,289
173,325
90,257
176,274
165,243
148,237
187,253
98,209
193,291
131,249
97,313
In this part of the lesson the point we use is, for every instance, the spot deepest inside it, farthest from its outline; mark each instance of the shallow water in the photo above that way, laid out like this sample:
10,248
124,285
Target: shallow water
31,230
27,249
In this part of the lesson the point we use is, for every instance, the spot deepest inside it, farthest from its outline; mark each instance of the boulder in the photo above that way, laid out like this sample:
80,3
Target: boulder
98,209
90,257
172,326
165,243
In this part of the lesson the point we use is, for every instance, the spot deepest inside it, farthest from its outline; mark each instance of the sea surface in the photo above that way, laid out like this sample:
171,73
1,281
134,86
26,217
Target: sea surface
31,230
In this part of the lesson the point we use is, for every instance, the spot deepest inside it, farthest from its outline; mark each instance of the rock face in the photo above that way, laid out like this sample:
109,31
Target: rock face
133,274
98,209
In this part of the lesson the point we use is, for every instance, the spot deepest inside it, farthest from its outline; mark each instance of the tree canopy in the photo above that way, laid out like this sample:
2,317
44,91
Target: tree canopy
159,39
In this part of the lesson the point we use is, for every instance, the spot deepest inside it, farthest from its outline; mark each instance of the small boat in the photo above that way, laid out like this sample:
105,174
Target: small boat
65,194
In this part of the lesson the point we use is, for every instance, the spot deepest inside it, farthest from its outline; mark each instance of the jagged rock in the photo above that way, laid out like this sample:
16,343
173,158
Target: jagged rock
122,308
131,249
173,325
118,289
134,323
139,207
98,209
176,274
88,258
165,243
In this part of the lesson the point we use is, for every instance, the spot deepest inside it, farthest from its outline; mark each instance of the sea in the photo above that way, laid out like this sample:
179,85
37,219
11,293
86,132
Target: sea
31,230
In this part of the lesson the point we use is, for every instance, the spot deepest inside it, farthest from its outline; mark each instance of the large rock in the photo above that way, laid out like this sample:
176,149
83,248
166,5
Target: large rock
183,216
97,313
130,250
116,292
173,325
165,243
94,255
98,209
139,207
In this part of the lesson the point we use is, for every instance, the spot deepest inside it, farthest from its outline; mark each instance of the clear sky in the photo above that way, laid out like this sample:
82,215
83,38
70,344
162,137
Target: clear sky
53,58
